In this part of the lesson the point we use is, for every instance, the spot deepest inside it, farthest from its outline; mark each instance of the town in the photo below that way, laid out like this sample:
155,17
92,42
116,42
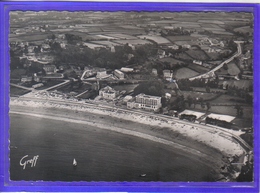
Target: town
190,68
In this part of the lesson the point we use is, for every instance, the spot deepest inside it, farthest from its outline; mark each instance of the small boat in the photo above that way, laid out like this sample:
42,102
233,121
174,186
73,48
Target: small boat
74,162
142,175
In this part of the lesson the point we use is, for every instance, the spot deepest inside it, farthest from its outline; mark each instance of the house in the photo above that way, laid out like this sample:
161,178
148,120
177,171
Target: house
101,73
186,46
154,71
124,69
119,74
127,98
197,62
26,79
161,53
46,47
174,47
30,49
167,74
50,69
147,102
108,93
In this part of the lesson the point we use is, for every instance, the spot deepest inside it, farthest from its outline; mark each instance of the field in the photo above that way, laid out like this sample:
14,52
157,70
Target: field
233,69
29,37
126,87
186,25
214,56
184,73
213,29
227,99
245,29
121,36
105,43
197,54
183,56
69,88
211,21
173,62
14,91
197,68
133,42
204,95
180,38
157,39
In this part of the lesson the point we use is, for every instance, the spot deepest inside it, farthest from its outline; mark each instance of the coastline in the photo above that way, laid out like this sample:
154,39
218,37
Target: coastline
143,127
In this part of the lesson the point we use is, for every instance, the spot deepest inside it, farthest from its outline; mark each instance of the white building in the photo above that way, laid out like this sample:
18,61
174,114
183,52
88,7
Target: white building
143,101
123,69
108,93
119,74
167,74
154,71
101,74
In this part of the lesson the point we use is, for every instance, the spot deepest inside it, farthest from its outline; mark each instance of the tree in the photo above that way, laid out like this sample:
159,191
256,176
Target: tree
225,66
154,88
239,109
208,105
207,89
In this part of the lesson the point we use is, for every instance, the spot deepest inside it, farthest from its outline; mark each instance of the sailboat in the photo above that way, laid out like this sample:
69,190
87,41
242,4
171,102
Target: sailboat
74,162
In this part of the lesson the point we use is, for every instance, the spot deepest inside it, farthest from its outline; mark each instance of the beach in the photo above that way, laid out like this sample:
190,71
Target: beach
166,135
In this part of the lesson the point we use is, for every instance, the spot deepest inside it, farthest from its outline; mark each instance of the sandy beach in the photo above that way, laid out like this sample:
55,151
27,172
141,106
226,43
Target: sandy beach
207,146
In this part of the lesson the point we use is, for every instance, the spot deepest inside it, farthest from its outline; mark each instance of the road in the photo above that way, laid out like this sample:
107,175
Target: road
211,72
95,105
23,87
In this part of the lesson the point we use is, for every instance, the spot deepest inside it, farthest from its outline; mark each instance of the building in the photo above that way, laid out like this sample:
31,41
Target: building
174,47
167,74
161,53
143,101
50,69
119,74
123,69
197,62
26,79
108,93
101,73
154,71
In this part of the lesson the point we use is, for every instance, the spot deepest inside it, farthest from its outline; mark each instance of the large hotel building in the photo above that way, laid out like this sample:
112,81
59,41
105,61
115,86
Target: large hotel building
143,101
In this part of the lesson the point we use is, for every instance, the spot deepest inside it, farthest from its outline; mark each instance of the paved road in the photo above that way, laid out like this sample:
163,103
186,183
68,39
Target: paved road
210,73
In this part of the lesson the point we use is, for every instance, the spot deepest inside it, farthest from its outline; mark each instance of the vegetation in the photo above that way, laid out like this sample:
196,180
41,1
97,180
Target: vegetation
154,88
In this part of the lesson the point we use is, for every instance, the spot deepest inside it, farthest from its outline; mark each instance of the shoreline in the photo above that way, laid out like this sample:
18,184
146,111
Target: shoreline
153,130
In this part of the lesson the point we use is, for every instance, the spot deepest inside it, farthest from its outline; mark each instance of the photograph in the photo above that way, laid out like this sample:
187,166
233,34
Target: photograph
131,96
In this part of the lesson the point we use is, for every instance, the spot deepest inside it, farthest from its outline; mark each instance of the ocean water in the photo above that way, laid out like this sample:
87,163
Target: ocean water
101,155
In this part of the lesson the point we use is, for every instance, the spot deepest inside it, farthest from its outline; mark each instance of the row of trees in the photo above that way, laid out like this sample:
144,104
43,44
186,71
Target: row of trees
120,57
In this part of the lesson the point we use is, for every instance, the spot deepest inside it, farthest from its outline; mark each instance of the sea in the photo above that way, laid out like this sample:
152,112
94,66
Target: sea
101,155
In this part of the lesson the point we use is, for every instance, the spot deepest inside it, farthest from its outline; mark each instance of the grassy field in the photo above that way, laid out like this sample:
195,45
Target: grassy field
184,73
197,68
172,61
133,42
227,99
69,88
233,69
244,29
183,56
14,91
205,96
30,37
126,87
180,38
157,39
197,54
